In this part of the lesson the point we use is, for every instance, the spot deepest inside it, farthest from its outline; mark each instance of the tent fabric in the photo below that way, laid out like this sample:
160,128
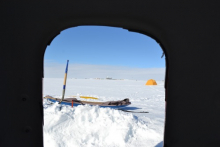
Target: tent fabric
151,82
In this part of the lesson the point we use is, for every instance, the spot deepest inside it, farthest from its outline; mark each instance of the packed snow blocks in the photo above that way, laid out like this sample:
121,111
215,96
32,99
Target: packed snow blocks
188,32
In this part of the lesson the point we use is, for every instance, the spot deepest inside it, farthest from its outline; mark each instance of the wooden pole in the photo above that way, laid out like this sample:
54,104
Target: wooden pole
64,83
72,103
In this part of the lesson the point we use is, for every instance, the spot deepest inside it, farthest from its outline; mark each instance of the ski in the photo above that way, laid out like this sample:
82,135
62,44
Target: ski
133,111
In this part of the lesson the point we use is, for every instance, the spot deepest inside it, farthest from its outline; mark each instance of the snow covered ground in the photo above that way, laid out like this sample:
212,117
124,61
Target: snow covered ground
91,126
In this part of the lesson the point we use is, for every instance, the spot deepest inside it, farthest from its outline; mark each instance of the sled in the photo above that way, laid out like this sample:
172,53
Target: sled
75,102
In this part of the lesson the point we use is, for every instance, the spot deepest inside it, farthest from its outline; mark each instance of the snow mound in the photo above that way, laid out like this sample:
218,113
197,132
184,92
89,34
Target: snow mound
93,126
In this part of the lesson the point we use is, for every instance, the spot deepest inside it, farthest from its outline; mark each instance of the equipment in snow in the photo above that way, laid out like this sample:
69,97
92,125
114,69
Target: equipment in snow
76,102
133,111
64,84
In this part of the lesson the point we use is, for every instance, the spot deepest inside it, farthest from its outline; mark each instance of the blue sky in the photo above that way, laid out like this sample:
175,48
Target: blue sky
94,47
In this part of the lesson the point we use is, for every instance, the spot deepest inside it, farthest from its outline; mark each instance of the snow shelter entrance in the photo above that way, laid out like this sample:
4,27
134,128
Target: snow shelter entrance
100,44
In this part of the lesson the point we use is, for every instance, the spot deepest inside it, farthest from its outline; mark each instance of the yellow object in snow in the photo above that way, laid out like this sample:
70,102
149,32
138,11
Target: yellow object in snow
151,82
87,97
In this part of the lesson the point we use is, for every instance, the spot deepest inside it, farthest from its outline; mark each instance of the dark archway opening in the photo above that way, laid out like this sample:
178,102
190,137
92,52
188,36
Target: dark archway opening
142,67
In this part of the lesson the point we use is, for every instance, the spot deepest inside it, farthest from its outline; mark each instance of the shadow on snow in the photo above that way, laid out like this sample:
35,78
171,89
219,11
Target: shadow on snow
159,144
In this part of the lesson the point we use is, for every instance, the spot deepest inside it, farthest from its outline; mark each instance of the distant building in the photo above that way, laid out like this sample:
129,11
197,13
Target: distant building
108,78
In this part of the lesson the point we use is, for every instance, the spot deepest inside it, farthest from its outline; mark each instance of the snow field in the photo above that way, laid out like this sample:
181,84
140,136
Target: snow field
92,126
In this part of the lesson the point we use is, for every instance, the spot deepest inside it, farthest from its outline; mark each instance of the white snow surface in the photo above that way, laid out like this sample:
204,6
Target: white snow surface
92,126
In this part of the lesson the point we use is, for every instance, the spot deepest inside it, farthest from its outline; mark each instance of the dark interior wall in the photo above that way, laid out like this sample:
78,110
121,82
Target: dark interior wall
187,31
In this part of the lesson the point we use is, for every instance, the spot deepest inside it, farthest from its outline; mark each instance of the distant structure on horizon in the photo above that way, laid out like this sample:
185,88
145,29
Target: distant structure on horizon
108,78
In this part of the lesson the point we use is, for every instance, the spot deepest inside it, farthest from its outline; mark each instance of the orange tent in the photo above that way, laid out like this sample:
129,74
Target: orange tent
151,82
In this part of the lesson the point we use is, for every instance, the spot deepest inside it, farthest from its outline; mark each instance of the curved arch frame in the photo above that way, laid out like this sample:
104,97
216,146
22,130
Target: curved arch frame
147,29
